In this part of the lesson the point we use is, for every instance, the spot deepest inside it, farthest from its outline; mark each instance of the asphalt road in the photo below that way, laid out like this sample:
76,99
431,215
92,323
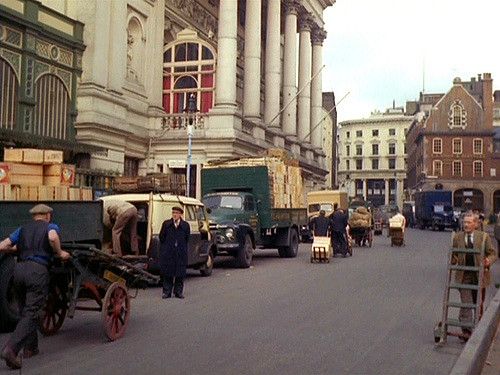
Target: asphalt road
370,314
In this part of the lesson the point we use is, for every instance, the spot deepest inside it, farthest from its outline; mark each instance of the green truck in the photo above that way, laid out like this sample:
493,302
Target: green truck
242,216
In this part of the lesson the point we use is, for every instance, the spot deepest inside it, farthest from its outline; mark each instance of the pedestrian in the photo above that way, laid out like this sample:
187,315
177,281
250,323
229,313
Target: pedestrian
118,216
338,225
470,237
320,224
35,244
174,238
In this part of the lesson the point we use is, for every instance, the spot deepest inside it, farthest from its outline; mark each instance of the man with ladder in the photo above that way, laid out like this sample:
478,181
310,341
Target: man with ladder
470,238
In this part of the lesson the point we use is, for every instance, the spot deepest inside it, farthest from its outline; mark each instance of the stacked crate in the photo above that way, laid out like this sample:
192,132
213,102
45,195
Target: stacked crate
38,175
285,176
153,182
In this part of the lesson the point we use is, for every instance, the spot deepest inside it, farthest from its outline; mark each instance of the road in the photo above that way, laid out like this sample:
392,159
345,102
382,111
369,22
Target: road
370,314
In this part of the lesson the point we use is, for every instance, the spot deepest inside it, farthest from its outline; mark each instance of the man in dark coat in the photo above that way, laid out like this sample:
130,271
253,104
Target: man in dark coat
174,238
320,225
338,223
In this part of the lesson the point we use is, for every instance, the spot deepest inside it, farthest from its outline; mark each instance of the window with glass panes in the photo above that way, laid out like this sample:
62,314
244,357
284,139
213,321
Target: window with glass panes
359,150
359,164
347,164
392,131
437,168
188,68
359,133
478,168
457,168
392,163
348,134
375,133
392,149
478,146
374,163
437,145
457,145
375,149
348,150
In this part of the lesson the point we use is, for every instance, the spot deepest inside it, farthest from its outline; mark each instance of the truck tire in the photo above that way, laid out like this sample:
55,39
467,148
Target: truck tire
9,313
207,268
292,249
245,253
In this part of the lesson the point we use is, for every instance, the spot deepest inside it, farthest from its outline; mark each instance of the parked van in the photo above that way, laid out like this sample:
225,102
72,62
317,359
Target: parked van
153,210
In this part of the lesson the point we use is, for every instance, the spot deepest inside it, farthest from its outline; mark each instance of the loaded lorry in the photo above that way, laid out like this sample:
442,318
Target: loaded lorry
433,209
254,206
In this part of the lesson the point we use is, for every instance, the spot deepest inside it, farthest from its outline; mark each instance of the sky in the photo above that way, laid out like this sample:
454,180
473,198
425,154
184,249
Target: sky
377,49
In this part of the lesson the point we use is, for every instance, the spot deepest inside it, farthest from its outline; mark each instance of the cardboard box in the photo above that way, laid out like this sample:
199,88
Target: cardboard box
21,174
59,175
52,157
14,155
32,156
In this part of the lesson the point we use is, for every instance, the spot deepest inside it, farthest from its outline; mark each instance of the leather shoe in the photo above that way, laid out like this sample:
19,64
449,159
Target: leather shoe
11,358
28,353
181,296
166,296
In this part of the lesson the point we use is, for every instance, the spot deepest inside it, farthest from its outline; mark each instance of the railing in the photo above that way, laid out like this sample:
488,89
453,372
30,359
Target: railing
177,121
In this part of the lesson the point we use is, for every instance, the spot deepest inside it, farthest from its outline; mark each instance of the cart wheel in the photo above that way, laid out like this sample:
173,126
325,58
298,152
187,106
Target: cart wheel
115,311
54,312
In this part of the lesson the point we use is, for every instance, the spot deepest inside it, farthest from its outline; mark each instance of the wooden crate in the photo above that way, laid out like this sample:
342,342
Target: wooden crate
74,194
61,193
28,193
59,175
21,174
86,194
5,192
52,157
32,156
13,155
46,193
125,184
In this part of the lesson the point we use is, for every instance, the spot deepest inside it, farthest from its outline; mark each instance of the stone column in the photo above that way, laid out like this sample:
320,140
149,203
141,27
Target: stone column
399,193
118,39
225,85
304,114
273,64
251,84
290,69
387,191
317,37
364,189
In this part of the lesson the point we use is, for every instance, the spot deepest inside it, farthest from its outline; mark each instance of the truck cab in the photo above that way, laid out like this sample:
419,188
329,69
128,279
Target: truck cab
153,210
443,216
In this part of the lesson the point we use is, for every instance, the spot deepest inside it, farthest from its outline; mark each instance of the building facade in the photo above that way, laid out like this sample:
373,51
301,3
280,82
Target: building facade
40,64
451,146
372,157
222,76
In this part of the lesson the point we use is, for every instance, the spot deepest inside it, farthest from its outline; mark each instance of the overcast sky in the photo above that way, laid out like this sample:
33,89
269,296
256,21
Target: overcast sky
376,49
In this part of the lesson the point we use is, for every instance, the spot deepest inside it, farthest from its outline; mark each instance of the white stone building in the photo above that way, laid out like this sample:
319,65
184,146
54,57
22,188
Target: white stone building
372,156
236,60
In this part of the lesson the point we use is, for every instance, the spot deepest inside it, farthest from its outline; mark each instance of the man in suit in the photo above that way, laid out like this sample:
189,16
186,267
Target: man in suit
338,224
174,238
472,238
320,224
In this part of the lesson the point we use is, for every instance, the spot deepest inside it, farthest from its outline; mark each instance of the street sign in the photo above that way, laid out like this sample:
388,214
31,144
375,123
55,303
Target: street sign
177,164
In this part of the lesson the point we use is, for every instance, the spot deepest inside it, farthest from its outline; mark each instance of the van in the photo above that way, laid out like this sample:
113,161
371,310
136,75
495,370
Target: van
153,210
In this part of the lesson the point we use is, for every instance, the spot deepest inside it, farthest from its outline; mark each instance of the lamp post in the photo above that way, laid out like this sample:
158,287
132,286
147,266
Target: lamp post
191,108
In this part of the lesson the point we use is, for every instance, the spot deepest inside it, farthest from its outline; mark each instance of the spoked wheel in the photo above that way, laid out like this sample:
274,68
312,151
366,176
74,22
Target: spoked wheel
54,312
115,311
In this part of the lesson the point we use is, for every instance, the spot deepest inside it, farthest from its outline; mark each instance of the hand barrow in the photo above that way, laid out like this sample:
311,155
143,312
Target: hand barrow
441,329
93,275
397,236
362,235
321,250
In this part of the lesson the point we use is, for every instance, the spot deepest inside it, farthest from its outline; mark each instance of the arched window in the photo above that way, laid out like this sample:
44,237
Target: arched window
52,107
188,68
8,96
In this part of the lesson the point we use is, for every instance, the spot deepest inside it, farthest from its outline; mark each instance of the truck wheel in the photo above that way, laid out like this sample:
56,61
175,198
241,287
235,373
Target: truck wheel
9,310
292,250
245,253
207,268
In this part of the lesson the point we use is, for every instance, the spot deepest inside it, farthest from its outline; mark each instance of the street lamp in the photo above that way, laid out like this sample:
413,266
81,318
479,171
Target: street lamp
191,108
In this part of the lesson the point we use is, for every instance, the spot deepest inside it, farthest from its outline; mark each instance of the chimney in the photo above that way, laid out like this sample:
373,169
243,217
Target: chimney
487,100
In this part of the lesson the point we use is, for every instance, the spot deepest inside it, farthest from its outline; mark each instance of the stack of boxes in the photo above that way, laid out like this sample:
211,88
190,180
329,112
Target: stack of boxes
285,176
38,175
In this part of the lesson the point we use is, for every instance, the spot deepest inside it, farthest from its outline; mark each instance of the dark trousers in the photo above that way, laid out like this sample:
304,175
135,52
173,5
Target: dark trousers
169,284
339,243
31,283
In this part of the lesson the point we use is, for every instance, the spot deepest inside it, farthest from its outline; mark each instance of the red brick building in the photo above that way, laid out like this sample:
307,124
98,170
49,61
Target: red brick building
450,143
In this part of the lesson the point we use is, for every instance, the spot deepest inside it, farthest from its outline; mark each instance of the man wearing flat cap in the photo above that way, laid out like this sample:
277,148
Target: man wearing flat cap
35,244
174,238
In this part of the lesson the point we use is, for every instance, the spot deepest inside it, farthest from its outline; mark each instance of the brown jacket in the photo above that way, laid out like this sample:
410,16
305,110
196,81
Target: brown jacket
489,252
112,209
